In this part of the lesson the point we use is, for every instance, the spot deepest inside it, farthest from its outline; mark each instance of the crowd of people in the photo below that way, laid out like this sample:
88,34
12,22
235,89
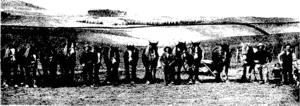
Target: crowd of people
19,65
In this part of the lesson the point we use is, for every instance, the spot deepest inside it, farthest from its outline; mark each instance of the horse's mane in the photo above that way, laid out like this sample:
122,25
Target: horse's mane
147,49
174,50
65,50
7,51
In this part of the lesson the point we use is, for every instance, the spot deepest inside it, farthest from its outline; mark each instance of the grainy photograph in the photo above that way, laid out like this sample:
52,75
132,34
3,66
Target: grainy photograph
150,52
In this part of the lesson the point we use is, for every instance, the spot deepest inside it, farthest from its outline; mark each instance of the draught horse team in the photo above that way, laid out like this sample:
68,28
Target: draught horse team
20,64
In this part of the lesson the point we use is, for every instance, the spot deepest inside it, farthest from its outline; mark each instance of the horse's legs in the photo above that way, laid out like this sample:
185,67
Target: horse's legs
227,64
166,73
196,73
154,73
244,72
127,71
178,73
147,73
53,74
45,74
22,74
72,69
133,73
115,73
108,73
96,73
15,73
251,70
191,73
85,72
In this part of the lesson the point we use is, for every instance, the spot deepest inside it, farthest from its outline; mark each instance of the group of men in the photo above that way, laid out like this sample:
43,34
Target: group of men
25,59
260,60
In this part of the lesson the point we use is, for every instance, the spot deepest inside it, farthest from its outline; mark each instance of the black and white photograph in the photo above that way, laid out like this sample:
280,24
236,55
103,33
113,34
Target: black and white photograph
150,52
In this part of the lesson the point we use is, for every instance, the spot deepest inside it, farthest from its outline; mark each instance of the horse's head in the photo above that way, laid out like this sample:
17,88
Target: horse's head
195,50
153,46
152,50
114,54
130,47
225,47
180,49
130,50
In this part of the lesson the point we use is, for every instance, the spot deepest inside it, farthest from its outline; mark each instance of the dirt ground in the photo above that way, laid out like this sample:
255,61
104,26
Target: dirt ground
205,93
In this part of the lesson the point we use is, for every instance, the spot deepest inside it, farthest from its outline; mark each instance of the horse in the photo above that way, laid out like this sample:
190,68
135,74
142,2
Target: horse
48,58
179,52
112,61
227,53
131,57
247,59
30,65
150,59
218,60
98,64
9,61
196,54
67,61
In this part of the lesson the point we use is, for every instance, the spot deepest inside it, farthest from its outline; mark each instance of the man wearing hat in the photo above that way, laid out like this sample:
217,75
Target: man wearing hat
167,60
286,58
87,61
262,58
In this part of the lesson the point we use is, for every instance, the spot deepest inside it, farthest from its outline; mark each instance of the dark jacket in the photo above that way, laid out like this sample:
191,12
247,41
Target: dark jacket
167,60
88,58
263,57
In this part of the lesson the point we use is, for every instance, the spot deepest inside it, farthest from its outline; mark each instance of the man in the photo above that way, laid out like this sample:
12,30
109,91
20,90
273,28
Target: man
262,58
87,61
286,58
167,60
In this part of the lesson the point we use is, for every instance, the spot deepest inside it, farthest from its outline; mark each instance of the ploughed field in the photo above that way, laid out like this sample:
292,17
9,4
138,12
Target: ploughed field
207,92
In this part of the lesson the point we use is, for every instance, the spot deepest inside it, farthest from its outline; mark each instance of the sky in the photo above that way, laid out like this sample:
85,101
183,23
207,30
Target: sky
176,8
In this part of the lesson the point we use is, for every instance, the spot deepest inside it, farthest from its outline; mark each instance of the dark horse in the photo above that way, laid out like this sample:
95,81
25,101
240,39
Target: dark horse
9,64
48,58
67,61
30,64
179,52
196,54
112,61
131,57
150,58
221,58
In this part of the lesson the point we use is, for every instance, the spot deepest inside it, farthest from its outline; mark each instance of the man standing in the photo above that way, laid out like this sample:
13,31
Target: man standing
87,61
262,58
286,58
167,60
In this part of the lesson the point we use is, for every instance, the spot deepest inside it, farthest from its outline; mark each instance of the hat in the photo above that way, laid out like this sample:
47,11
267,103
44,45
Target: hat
260,44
